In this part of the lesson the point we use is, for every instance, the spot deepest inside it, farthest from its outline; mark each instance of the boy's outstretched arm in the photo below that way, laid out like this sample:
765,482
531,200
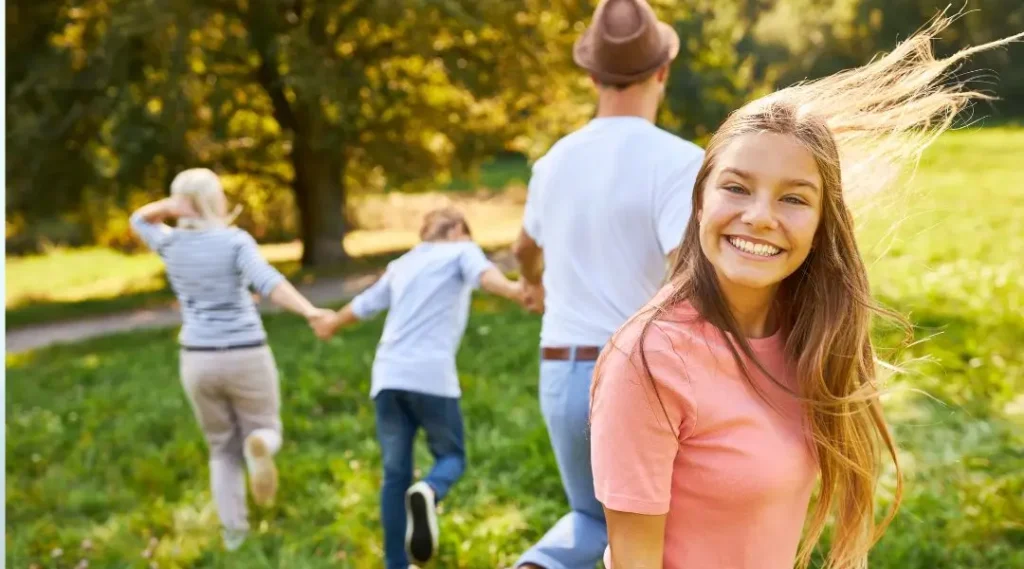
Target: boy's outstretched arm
371,301
495,282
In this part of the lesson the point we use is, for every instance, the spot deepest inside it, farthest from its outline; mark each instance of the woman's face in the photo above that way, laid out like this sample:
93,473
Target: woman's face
760,210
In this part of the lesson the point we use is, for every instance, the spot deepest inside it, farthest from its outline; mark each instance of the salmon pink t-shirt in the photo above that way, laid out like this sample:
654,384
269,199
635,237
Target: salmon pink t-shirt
733,472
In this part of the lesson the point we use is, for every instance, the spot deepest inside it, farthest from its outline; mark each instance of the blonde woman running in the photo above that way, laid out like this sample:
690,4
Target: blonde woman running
227,369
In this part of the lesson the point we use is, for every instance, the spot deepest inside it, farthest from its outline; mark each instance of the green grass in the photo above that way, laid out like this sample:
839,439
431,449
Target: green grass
102,447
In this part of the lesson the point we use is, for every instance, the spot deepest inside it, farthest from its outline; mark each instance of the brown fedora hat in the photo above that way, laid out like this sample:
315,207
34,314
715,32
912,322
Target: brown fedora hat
625,42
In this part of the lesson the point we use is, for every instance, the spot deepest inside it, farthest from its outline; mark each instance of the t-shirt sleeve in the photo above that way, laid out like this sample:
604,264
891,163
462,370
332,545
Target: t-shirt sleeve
472,264
634,438
674,202
154,235
533,208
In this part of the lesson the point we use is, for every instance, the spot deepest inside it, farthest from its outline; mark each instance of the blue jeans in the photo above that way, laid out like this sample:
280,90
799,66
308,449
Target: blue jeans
578,539
399,414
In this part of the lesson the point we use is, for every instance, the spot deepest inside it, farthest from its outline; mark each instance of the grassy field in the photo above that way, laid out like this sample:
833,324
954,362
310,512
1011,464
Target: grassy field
105,463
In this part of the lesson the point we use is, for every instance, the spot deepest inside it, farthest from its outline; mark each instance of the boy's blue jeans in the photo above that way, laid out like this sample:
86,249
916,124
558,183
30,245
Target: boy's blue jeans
399,414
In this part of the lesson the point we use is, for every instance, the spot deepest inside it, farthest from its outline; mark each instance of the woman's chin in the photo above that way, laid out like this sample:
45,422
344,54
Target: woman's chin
752,279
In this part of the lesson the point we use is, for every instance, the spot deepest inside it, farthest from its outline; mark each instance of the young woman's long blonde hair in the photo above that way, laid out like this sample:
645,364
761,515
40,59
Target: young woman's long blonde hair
865,127
202,189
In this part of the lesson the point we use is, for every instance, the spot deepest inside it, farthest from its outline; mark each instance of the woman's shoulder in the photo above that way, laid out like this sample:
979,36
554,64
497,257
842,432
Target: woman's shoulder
652,358
663,323
665,338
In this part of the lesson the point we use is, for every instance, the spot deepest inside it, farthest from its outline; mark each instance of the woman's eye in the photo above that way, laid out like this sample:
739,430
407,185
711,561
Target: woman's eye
735,189
794,200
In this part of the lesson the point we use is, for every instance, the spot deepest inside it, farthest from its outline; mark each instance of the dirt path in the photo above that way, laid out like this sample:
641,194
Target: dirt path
323,291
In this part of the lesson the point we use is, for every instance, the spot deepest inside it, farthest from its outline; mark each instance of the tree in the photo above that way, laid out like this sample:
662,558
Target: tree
321,96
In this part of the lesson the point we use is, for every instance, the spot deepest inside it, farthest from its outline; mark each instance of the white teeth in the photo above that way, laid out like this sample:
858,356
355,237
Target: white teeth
754,248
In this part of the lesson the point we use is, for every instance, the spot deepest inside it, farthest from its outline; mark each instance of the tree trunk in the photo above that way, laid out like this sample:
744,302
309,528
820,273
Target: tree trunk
319,170
320,196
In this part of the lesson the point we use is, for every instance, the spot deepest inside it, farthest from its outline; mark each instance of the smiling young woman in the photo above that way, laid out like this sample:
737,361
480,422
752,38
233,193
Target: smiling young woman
758,220
751,377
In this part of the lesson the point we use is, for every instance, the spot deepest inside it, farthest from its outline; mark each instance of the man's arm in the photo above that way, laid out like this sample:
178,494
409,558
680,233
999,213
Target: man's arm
530,257
531,267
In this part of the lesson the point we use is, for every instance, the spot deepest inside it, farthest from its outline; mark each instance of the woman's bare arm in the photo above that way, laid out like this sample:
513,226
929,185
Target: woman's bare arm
637,541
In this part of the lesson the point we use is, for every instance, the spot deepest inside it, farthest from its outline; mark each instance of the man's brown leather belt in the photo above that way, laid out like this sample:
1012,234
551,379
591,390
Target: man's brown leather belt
583,353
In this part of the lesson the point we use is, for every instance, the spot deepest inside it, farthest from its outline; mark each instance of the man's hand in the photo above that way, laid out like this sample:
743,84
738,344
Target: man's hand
533,297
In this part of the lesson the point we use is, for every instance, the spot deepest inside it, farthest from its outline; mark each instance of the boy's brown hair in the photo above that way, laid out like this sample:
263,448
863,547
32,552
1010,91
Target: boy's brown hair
437,223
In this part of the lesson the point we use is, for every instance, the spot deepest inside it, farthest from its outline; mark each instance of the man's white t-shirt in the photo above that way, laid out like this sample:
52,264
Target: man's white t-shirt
607,204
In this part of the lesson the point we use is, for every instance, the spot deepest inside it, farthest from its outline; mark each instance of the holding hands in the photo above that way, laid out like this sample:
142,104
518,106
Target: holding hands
533,296
528,295
323,322
326,322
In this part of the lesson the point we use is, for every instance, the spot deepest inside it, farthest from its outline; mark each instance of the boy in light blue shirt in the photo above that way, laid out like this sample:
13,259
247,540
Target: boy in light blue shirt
414,381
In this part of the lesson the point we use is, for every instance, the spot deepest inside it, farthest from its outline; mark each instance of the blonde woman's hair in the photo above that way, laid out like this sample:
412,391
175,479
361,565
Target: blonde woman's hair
864,127
203,189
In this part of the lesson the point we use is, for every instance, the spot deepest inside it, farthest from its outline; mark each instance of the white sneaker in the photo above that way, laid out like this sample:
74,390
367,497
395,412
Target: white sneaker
262,472
233,538
420,522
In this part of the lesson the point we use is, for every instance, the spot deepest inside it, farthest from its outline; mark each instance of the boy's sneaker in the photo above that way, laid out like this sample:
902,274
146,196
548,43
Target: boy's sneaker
420,522
262,472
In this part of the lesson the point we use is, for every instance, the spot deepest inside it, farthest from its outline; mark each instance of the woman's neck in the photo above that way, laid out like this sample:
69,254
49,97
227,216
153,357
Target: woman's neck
752,309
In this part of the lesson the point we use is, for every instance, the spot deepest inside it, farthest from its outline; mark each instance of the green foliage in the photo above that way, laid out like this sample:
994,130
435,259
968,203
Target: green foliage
737,50
322,97
108,99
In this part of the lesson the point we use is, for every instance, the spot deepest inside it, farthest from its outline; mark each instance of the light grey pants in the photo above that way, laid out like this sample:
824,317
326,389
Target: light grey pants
234,394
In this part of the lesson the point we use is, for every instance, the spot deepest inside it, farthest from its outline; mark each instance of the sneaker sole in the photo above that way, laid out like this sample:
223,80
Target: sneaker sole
262,472
420,528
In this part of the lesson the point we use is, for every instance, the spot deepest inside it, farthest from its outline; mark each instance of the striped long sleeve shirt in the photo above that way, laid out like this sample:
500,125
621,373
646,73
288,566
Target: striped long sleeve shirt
210,272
